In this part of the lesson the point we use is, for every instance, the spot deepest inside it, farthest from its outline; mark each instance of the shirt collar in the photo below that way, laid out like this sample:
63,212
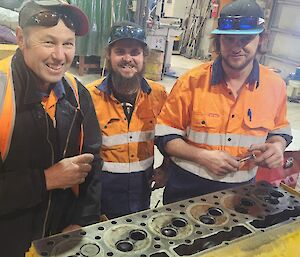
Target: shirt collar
58,89
104,86
218,72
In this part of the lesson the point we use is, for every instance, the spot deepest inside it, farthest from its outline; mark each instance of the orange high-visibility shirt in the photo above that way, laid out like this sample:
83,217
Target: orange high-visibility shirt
127,148
208,116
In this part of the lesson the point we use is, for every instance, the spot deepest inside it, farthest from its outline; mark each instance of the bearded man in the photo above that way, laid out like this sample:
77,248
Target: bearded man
222,114
127,106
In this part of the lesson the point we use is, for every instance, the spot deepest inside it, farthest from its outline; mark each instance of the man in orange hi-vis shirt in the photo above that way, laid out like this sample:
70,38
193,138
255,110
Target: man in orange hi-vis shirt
224,118
127,106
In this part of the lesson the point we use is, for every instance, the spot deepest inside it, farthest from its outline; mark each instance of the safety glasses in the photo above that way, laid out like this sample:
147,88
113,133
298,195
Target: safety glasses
127,32
49,19
239,22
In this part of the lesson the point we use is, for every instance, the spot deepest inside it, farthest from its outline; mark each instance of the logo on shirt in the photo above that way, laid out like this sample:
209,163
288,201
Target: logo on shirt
214,115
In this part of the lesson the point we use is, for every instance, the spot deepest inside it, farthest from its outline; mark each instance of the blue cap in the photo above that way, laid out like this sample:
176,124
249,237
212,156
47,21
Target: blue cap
242,9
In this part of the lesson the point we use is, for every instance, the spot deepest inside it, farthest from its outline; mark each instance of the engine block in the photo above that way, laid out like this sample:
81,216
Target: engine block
190,227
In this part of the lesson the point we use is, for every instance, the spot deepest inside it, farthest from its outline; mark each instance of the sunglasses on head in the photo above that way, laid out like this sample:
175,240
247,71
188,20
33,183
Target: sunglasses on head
238,22
50,19
127,31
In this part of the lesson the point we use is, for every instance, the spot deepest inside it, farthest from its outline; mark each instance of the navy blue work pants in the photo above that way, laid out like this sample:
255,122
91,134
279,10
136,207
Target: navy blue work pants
183,185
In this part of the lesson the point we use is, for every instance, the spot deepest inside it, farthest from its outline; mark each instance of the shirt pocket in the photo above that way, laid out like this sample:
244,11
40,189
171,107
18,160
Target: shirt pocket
110,129
206,122
255,121
110,126
147,120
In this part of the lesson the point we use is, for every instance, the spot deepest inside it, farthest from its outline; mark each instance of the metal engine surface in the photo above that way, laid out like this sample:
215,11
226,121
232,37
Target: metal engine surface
187,228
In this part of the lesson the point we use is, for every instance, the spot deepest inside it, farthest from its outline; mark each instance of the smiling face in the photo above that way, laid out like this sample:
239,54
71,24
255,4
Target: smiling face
238,51
127,58
48,52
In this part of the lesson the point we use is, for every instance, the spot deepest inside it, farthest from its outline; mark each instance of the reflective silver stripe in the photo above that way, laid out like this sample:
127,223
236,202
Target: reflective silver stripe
164,130
3,86
239,176
117,167
129,137
224,139
285,130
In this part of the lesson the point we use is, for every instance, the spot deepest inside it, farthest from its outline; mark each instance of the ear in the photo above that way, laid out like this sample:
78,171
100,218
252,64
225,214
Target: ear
20,37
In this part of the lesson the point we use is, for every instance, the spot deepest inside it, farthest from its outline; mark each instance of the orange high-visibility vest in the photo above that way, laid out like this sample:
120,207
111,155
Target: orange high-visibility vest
8,108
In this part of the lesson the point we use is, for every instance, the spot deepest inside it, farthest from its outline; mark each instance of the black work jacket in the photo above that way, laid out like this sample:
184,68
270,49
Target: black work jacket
36,144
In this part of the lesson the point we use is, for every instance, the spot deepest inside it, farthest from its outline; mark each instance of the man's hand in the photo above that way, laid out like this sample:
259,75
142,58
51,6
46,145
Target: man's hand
68,172
160,175
271,154
219,162
159,178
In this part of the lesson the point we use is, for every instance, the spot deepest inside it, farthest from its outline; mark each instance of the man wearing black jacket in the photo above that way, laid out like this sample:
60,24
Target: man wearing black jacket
49,134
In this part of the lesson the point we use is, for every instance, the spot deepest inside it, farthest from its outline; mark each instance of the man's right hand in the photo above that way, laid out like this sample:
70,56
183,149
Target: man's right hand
68,172
219,162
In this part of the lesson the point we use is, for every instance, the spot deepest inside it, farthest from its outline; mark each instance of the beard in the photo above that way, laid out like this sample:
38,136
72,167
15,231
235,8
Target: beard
123,85
236,66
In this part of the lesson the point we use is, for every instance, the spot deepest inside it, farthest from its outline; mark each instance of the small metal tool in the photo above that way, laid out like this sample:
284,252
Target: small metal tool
152,185
288,163
249,157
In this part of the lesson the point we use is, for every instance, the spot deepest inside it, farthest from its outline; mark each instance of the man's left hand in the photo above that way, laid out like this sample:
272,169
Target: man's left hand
159,178
271,154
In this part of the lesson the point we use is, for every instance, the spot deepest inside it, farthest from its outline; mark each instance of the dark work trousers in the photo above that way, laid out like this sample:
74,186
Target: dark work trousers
125,193
183,185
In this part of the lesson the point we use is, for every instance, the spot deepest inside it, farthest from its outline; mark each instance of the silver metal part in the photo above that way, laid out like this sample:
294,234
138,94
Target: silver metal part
289,163
250,157
186,228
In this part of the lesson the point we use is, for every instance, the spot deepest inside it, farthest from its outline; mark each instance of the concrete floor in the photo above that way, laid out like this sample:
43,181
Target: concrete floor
180,65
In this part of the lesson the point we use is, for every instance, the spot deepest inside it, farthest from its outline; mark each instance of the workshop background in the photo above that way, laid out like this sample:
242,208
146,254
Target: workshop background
178,35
